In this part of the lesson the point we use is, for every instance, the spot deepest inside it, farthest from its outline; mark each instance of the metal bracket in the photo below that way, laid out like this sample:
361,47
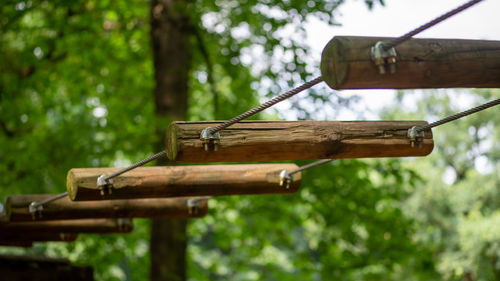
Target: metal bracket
124,224
209,138
193,205
415,136
382,57
105,185
35,210
285,179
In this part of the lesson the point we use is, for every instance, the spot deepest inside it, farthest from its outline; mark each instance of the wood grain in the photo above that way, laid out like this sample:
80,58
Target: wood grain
69,226
421,63
175,181
63,209
37,237
295,140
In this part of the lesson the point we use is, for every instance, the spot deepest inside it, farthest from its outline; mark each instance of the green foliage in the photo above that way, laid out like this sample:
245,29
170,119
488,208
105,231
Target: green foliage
457,205
76,91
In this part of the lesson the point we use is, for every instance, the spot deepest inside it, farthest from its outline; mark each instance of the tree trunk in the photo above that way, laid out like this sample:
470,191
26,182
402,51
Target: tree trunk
171,54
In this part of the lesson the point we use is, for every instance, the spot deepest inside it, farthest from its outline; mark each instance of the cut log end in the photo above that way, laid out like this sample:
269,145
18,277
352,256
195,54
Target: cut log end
171,142
70,185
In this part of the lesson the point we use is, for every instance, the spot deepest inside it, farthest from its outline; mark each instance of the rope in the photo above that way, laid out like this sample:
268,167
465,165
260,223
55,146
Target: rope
437,20
265,105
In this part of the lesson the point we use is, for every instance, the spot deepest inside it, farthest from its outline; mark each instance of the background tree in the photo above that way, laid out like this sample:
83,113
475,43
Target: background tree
456,206
76,91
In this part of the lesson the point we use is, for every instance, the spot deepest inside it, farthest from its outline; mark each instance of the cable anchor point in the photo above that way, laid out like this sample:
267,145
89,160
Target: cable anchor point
208,138
285,179
193,205
415,136
105,185
35,209
382,57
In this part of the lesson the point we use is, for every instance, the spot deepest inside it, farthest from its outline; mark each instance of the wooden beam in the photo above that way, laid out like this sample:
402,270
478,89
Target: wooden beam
63,209
23,244
69,226
174,181
37,237
40,268
296,140
421,63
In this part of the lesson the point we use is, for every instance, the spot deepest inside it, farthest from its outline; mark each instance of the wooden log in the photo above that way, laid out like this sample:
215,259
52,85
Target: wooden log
173,181
69,226
40,268
37,237
23,244
64,208
296,140
421,63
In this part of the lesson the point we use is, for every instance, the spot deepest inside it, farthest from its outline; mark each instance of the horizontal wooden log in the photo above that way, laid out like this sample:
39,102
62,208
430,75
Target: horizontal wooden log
69,226
37,237
296,140
23,244
421,63
64,208
40,268
174,181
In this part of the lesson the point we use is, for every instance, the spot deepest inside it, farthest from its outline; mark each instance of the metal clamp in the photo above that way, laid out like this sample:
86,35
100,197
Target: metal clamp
193,205
35,209
382,57
415,136
124,224
105,185
209,138
285,179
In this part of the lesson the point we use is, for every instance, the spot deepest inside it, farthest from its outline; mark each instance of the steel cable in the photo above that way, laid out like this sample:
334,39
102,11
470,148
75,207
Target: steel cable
458,115
267,104
435,21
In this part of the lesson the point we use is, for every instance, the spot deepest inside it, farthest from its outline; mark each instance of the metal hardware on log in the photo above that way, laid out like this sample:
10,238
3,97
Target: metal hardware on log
295,140
176,181
350,62
64,208
10,237
121,225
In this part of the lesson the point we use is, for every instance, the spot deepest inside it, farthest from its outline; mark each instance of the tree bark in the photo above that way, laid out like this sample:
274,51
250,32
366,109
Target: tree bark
170,34
177,181
346,63
296,140
64,208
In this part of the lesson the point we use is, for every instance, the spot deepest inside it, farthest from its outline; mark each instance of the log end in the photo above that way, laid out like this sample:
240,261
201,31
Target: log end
8,208
171,141
334,69
71,185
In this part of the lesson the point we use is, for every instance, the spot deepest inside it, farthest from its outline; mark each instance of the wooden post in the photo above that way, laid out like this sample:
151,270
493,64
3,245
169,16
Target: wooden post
421,63
69,226
296,140
64,208
173,181
39,268
37,237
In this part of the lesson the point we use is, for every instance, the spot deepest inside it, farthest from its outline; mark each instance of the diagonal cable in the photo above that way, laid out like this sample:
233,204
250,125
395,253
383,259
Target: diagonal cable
458,115
267,104
433,22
